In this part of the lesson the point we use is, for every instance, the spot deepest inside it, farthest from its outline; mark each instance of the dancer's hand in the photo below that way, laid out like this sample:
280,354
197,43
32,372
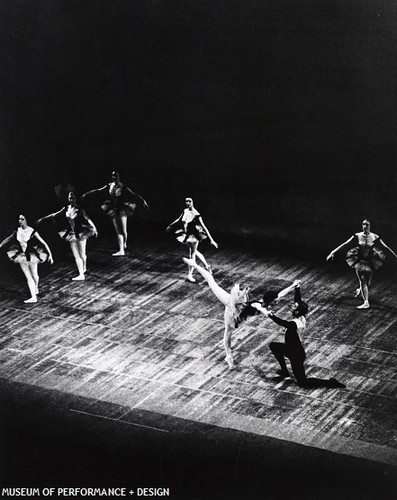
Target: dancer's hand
330,256
95,232
38,222
297,283
50,259
168,229
145,205
214,243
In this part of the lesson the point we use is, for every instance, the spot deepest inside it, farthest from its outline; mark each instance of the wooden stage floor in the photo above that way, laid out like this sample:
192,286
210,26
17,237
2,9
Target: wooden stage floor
137,345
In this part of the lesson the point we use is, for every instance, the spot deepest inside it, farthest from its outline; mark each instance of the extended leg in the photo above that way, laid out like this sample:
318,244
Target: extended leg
78,260
227,341
81,246
31,284
364,278
219,292
35,275
118,226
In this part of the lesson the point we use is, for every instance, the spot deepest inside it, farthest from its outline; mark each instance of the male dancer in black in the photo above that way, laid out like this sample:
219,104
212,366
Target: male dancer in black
292,348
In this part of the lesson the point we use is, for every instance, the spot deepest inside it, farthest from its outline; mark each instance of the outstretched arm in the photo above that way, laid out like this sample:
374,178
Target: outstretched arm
50,216
281,322
345,244
7,240
93,191
289,288
176,221
50,259
212,241
387,247
136,195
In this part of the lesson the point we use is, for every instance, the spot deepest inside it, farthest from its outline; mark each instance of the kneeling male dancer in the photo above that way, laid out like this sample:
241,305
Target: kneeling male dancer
292,348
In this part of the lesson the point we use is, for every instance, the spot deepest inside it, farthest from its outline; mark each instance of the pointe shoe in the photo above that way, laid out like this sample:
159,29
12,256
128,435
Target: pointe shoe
80,277
230,362
191,279
357,292
363,306
120,253
32,300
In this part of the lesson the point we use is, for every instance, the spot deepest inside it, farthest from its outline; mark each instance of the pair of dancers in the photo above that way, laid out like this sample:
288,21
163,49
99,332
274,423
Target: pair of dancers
238,308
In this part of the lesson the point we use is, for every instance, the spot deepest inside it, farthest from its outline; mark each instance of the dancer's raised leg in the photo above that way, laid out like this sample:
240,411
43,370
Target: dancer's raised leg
219,292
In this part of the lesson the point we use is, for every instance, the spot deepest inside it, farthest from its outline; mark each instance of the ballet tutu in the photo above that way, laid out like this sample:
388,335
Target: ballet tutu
126,208
195,234
37,256
373,261
70,236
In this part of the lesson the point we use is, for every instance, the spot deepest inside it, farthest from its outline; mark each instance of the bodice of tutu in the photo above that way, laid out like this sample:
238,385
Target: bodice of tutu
23,237
71,212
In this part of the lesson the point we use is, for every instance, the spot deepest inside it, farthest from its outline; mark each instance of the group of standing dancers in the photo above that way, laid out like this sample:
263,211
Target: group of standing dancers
28,249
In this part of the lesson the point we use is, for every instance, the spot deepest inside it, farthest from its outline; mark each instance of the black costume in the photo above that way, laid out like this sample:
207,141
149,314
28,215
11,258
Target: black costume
366,257
295,352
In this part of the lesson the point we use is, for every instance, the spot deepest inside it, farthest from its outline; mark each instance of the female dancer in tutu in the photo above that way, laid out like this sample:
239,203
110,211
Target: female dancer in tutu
28,249
120,205
74,227
366,256
238,307
193,231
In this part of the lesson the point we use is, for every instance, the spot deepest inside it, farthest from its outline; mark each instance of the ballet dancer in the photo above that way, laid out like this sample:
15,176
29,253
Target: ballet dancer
75,227
192,232
238,308
28,249
365,257
120,205
292,348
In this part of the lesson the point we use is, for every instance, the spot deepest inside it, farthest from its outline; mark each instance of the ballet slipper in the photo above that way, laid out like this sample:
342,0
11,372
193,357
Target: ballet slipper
363,306
230,362
32,300
191,279
80,277
120,253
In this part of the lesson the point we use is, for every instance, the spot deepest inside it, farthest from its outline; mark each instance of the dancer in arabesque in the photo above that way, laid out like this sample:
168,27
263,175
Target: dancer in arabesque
238,307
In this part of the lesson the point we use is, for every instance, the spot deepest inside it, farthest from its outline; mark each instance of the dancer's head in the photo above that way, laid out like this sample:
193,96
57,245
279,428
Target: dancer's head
72,198
366,225
270,298
299,309
115,176
189,202
22,221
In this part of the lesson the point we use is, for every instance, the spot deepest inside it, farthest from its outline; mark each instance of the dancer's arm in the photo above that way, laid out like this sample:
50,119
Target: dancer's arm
298,297
345,244
289,288
258,306
89,221
212,241
50,216
7,240
387,247
281,322
50,259
176,221
136,195
94,191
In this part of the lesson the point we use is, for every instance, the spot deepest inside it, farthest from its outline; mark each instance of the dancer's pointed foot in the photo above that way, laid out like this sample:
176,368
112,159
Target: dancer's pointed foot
191,279
357,292
119,253
80,277
209,268
364,306
230,362
283,373
32,300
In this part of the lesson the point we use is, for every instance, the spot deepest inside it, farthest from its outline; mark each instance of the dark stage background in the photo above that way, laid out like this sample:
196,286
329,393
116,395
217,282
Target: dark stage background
277,116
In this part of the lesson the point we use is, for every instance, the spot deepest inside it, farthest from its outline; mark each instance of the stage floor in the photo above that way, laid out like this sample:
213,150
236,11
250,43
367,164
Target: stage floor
136,350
